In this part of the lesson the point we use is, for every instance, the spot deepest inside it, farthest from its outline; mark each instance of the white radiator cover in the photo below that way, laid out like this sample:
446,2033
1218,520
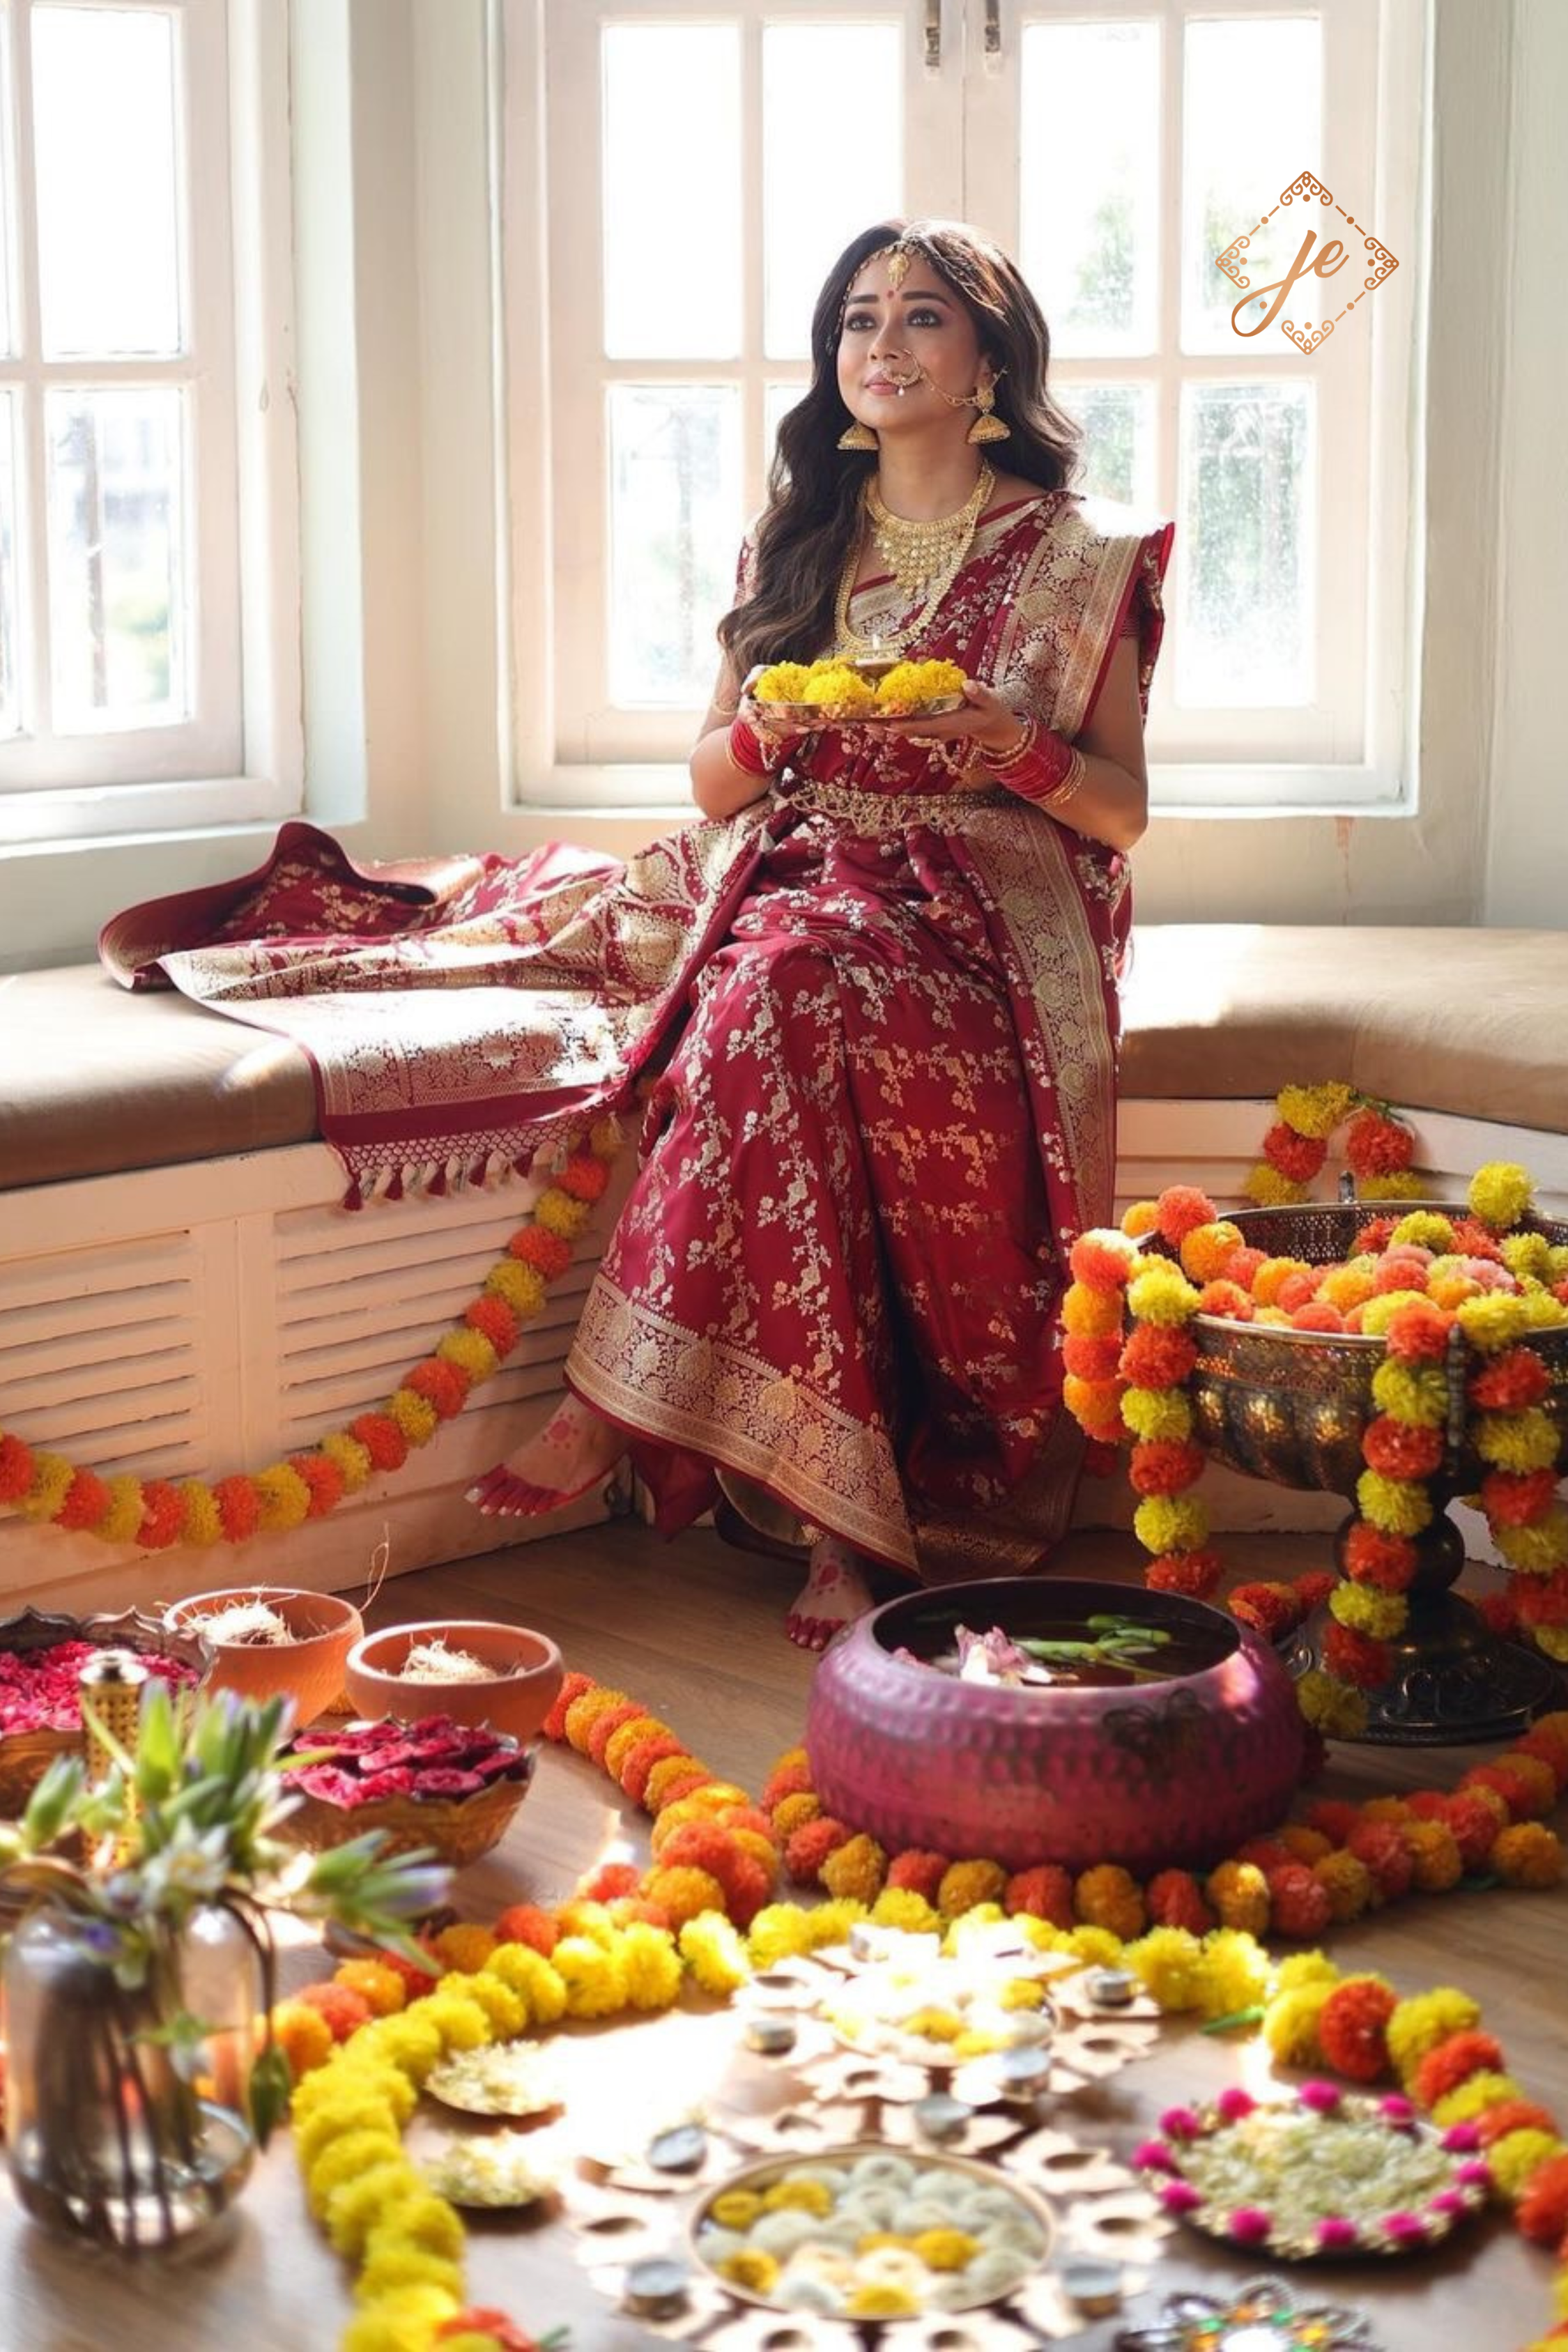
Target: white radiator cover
185,1322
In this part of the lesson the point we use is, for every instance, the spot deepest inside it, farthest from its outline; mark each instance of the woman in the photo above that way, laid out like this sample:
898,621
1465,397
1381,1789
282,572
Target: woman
887,1107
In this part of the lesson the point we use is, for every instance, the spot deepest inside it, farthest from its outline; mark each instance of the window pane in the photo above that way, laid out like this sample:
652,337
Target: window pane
1118,422
7,321
1089,181
846,82
107,161
10,600
778,399
117,569
1252,111
672,191
1244,634
675,503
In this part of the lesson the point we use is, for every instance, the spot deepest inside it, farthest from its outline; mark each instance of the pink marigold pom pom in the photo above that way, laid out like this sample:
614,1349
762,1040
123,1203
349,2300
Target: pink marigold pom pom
1179,2196
1152,2156
1235,2104
1179,2123
1248,2224
1474,2176
1459,2140
1336,2235
1403,2228
1395,2110
1447,2200
1321,2097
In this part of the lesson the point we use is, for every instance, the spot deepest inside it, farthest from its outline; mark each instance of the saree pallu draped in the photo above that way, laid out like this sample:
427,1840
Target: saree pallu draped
873,1030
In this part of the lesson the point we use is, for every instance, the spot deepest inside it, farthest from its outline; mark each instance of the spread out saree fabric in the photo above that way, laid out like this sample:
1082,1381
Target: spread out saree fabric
871,1024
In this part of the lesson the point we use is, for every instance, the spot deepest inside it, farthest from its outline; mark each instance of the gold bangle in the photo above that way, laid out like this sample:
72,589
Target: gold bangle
1072,783
998,760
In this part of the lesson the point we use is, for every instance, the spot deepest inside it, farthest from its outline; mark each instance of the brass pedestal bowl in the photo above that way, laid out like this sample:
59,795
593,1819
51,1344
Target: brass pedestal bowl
1292,1407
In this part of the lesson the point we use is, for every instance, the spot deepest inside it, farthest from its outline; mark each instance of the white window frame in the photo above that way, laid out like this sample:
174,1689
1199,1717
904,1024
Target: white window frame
1355,750
241,758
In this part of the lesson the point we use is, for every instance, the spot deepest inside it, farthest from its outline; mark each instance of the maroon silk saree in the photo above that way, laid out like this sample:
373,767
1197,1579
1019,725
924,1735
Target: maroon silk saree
872,1029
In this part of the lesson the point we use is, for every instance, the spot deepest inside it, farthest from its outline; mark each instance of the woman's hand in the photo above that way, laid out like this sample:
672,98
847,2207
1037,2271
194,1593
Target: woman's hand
986,723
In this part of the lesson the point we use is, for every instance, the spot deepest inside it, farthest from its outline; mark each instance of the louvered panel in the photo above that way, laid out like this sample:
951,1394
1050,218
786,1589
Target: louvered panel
103,1354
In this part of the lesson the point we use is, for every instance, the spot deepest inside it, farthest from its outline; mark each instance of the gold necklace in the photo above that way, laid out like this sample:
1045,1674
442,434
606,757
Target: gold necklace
942,546
915,552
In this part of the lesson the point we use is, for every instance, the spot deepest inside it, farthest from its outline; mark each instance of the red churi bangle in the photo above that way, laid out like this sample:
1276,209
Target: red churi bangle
743,750
1042,766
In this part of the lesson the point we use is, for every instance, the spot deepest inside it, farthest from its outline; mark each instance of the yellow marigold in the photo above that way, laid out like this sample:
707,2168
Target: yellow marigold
1096,1947
792,1814
411,2042
1207,1249
1270,1188
750,2268
1234,1973
966,1933
393,2268
52,1475
1163,1523
584,1712
1425,1228
1401,1184
908,684
630,1735
782,682
1434,1851
1529,1254
901,1906
1473,2096
1141,1218
946,2250
1307,1846
127,1503
1420,1398
383,1989
429,2221
460,2022
464,1945
1273,1274
560,1215
506,2011
1346,1286
1499,1193
1152,1413
581,1917
304,2035
1517,2155
1109,1897
1399,1506
1022,1992
537,1980
856,1869
650,1969
833,1922
1378,1312
1314,1110
681,1893
1167,1960
1537,1550
1290,2024
414,1417
781,1931
1543,1312
760,1848
813,2197
1427,2019
1380,1615
973,2044
1517,1440
519,1287
1239,1893
1086,1314
352,2111
361,2205
352,1458
200,1523
406,2321
667,1774
715,1953
881,2301
471,1351
1161,1294
834,685
1527,1855
1553,1641
1494,1320
1298,1969
595,1978
1330,1706
345,2155
965,1884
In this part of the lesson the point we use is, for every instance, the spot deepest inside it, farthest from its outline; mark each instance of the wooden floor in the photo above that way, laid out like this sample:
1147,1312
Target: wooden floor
693,1630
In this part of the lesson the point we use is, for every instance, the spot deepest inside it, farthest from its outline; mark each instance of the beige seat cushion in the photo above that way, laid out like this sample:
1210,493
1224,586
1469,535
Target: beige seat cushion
94,1079
1471,1021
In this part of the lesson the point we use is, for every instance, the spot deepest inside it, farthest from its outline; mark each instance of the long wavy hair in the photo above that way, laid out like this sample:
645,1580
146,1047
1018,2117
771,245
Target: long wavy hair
813,488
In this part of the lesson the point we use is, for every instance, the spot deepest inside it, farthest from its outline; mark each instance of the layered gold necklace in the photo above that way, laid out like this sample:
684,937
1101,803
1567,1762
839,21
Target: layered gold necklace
924,559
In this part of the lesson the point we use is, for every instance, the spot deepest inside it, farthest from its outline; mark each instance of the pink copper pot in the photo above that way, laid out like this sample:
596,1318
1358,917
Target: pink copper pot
1152,1775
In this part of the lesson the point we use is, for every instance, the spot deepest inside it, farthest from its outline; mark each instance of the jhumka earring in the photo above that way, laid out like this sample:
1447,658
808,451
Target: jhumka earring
986,426
860,436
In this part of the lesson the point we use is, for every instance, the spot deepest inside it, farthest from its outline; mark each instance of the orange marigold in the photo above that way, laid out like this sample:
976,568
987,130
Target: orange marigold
1299,1156
1089,1358
1398,1450
918,1872
1164,1465
1196,1573
1300,1903
1529,1854
1175,1900
1225,1297
1109,1897
239,1504
1157,1356
1418,1334
1348,1883
382,1439
1179,1208
809,1848
791,1777
1511,1381
528,1923
1102,1261
343,2010
86,1501
965,1884
1356,1658
495,1321
1453,2061
1526,1787
1239,1893
1512,2115
1374,1557
1353,2028
1378,1145
1379,1845
1434,1851
1543,2211
585,1178
1044,1892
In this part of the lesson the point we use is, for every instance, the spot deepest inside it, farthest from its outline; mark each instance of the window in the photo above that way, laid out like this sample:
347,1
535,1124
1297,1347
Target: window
121,511
701,162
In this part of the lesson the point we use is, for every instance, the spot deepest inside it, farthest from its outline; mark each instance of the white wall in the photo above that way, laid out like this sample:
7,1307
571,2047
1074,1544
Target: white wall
400,395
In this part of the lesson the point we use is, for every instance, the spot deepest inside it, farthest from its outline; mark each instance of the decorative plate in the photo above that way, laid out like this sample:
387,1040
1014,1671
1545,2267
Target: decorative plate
811,715
914,2006
505,2078
1327,2174
860,2232
1265,2316
492,2169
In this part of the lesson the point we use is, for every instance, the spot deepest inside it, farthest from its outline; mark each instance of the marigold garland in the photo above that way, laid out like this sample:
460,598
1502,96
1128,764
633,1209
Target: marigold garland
153,1513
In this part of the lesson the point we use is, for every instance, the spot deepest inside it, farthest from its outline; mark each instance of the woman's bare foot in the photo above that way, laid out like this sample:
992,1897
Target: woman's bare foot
574,1450
834,1594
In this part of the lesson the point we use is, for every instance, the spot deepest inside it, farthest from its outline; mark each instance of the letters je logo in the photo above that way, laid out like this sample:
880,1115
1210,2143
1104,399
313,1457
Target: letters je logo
1320,260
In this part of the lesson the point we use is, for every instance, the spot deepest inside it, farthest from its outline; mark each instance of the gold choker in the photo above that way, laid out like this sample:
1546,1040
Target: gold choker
924,558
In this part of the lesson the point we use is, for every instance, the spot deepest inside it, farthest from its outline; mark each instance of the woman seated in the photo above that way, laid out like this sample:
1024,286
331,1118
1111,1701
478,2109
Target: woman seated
885,1106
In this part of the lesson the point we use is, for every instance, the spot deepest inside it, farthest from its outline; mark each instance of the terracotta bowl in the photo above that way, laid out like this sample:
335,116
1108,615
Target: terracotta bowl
309,1669
1176,1771
516,1698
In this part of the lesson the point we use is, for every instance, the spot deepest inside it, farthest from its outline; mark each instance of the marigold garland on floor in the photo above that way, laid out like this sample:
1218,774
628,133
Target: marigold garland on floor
362,2044
1379,1146
53,1491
